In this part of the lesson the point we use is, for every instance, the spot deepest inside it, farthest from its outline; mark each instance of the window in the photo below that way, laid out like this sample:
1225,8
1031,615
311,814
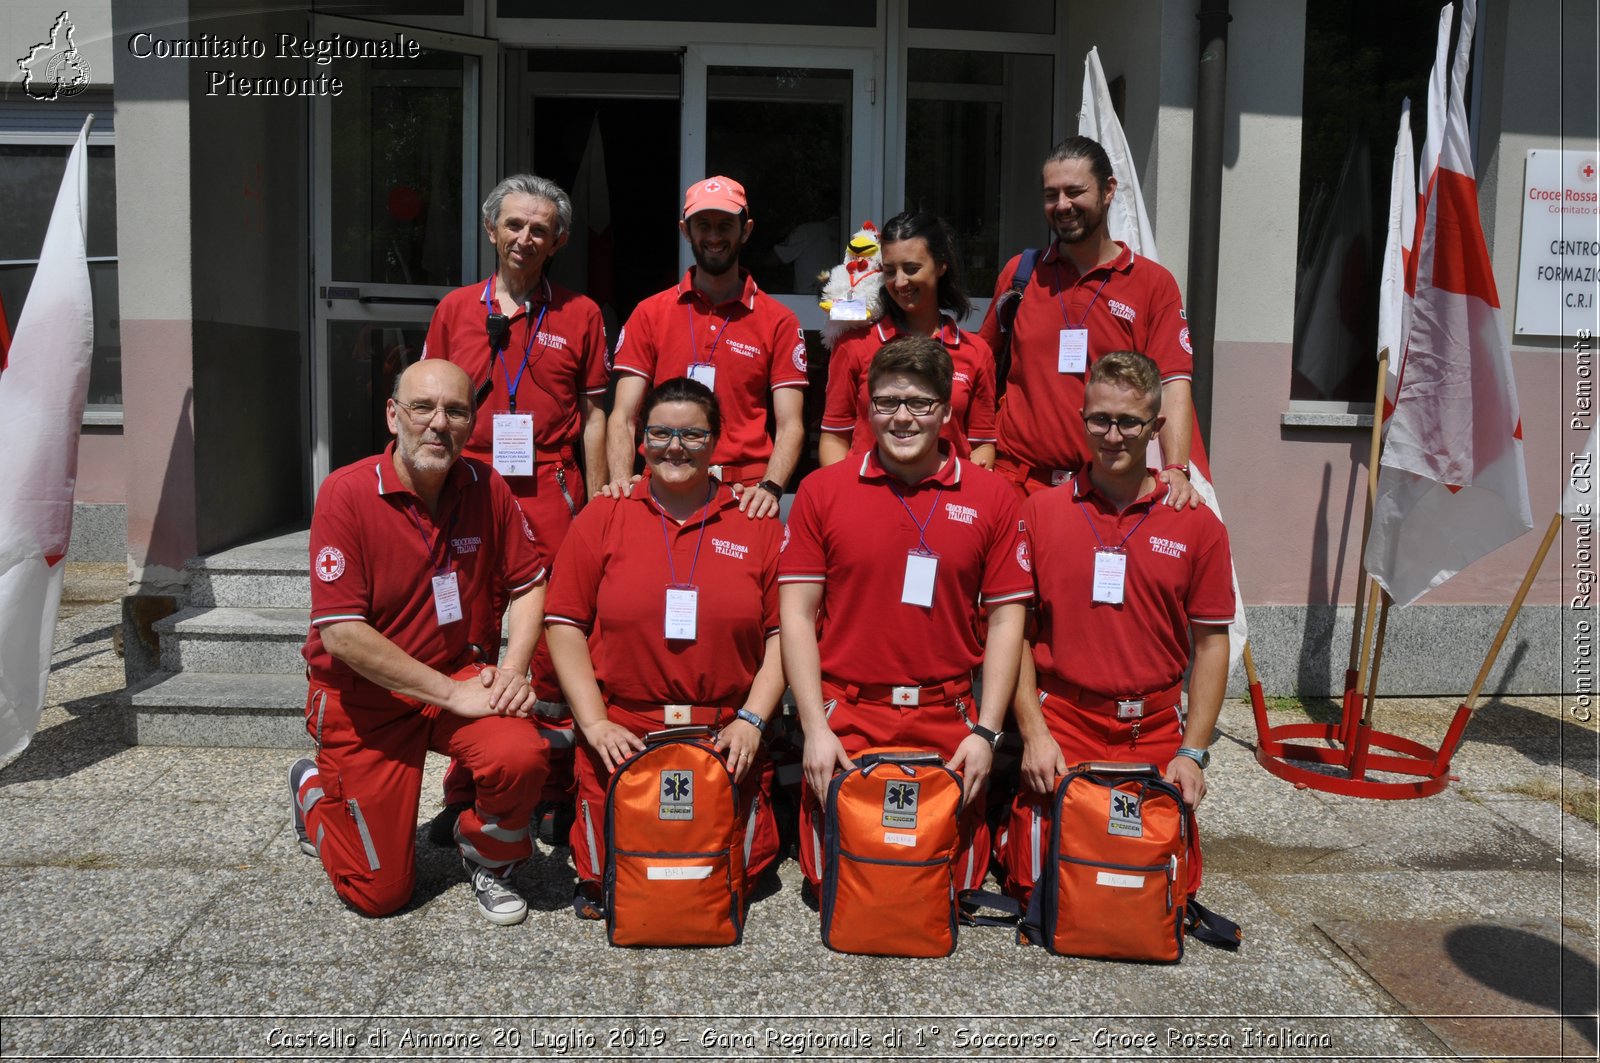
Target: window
33,157
1362,58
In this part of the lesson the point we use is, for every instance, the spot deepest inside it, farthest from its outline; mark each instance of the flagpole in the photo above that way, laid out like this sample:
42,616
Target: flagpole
1511,613
1366,586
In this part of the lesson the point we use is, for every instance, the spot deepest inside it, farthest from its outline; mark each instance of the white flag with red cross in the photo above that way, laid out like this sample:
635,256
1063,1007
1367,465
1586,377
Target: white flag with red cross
1452,484
42,394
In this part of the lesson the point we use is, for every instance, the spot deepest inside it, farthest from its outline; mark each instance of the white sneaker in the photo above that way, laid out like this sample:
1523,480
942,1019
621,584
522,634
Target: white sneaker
498,902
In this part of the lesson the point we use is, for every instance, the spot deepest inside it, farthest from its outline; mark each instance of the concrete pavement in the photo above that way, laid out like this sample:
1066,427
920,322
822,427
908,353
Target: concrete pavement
153,904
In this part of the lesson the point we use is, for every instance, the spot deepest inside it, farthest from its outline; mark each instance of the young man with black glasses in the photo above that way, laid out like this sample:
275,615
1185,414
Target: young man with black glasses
893,552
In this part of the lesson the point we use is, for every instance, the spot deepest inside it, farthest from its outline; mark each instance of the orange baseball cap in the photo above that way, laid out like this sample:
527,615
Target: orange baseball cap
714,193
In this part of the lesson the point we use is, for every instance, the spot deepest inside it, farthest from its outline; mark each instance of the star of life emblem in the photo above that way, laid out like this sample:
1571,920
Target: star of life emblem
900,804
677,795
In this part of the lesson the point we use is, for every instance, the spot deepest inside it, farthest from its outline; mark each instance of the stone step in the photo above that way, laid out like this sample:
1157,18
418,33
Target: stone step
259,640
272,573
219,709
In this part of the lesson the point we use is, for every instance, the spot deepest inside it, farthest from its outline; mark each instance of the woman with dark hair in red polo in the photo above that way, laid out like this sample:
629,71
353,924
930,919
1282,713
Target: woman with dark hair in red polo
665,613
922,296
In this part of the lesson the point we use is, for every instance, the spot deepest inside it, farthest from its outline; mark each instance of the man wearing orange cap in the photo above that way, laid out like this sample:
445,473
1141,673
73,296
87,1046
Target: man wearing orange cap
717,327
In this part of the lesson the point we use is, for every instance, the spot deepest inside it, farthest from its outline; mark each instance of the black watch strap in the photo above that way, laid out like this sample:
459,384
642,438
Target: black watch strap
991,737
771,487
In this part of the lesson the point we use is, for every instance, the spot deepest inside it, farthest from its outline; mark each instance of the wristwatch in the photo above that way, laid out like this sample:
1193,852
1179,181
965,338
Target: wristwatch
991,737
771,487
751,718
1201,757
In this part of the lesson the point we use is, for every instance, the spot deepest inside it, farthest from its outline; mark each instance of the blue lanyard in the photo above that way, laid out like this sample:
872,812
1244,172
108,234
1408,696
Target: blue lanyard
694,344
1085,511
705,518
1061,280
922,525
535,330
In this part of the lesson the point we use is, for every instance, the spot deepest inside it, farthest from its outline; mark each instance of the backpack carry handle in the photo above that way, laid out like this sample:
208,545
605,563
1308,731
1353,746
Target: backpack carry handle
671,734
1114,767
908,759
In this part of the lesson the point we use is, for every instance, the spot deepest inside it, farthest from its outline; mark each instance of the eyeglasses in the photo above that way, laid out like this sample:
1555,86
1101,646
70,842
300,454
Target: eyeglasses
422,413
916,405
1099,424
660,437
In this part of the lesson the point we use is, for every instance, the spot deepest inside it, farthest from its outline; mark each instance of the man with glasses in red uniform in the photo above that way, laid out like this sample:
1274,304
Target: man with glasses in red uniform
885,561
402,544
716,327
1124,586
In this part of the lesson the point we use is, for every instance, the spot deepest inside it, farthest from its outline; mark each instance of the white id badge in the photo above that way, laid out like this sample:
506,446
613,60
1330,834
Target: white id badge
513,444
681,607
1110,568
704,373
446,599
1072,351
921,570
851,309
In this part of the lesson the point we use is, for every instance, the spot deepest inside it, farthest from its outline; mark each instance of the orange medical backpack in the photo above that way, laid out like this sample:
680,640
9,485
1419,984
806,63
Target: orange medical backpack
1115,881
674,872
888,880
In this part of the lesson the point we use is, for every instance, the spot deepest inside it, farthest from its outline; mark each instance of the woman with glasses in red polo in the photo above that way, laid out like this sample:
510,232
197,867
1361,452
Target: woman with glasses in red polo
664,613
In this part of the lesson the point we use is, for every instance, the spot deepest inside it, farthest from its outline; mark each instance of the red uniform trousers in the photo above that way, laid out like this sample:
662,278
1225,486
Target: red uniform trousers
1031,479
549,512
1086,735
360,806
589,828
861,724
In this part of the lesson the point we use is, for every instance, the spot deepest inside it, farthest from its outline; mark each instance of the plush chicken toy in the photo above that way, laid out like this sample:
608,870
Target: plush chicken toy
850,290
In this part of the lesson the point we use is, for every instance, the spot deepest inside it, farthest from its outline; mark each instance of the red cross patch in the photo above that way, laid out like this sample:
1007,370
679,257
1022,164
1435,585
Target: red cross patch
329,565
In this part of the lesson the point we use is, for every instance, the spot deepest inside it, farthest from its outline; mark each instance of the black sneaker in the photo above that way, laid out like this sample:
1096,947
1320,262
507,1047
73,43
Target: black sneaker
442,829
499,903
297,777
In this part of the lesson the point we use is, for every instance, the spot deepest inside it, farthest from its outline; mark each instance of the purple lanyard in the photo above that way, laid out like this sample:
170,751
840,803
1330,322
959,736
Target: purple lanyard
922,525
1061,281
672,568
536,330
1085,511
428,547
694,344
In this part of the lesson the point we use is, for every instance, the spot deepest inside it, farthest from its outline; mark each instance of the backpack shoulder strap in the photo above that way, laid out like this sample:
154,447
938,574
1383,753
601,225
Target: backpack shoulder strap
1206,925
1005,315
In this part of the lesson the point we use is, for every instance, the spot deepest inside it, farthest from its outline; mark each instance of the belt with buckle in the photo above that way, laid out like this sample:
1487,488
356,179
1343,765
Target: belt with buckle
677,715
906,696
1120,706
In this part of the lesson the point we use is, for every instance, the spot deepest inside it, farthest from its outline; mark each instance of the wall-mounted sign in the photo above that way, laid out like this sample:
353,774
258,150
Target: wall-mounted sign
1559,278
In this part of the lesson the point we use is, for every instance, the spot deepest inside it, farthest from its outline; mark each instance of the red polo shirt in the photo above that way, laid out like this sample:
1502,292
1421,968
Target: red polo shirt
972,414
375,549
852,527
1178,573
611,582
563,338
754,341
1131,303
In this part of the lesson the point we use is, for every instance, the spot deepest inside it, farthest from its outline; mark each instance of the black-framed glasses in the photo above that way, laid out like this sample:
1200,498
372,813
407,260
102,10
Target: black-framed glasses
660,437
916,405
422,413
1099,424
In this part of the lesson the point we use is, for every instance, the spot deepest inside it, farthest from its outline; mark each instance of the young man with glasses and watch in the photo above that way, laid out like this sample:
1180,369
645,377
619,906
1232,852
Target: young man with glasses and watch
1122,585
402,545
885,561
716,327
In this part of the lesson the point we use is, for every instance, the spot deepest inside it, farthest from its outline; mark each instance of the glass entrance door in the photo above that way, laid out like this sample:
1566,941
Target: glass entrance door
399,159
799,128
